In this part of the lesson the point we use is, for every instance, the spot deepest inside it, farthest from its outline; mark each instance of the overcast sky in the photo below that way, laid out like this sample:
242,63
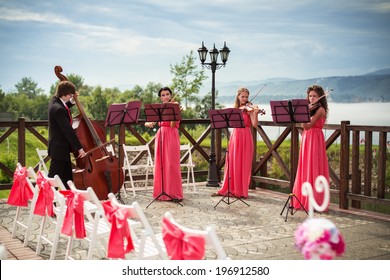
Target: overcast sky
115,43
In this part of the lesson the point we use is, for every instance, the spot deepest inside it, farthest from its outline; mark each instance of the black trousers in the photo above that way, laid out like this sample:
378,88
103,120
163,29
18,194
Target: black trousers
63,169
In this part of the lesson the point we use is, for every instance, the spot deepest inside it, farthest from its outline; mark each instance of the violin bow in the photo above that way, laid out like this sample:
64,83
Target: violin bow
250,101
173,98
326,94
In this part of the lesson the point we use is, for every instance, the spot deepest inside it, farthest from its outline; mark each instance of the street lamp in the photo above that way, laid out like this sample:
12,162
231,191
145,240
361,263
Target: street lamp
212,179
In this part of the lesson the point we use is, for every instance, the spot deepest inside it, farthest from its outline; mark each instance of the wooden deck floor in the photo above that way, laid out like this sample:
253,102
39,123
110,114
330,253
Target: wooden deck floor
15,248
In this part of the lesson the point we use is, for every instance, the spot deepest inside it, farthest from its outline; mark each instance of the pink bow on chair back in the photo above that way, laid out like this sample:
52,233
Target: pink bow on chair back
182,246
120,242
45,197
20,193
74,215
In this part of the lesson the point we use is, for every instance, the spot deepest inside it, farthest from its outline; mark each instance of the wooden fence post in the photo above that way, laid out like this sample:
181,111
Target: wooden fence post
22,141
252,184
356,173
382,165
344,165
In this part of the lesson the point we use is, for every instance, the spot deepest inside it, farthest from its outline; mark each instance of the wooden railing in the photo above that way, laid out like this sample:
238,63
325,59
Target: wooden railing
352,182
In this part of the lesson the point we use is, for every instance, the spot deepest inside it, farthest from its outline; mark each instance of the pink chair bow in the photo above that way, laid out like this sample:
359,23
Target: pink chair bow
45,197
20,191
120,231
74,214
182,246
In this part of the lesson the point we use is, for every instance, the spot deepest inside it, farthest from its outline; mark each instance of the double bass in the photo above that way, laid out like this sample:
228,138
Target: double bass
98,169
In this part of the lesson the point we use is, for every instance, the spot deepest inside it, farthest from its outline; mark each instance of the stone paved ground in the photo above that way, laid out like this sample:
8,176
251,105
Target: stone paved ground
250,232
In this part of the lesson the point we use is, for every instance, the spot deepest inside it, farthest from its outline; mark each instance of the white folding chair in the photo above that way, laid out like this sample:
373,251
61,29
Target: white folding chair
100,231
147,245
110,148
42,154
136,158
59,208
186,163
91,212
18,220
211,239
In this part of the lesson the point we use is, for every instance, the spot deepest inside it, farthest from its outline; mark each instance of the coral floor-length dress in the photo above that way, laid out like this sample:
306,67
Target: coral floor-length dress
167,163
313,162
239,164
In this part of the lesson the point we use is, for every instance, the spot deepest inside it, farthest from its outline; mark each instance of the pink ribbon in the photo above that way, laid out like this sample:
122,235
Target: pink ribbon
45,197
182,246
20,192
74,215
120,242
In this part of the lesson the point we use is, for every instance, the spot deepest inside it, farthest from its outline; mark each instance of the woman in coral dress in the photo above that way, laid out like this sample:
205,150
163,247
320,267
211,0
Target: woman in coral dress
313,160
167,173
240,150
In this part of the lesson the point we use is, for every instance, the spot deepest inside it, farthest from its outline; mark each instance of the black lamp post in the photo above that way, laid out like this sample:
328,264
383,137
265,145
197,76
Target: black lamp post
212,179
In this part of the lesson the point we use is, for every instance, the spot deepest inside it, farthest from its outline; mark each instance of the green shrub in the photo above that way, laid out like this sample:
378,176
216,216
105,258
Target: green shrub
8,160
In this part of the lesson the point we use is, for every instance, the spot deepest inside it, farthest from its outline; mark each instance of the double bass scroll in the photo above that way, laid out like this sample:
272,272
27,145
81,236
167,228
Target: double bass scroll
99,168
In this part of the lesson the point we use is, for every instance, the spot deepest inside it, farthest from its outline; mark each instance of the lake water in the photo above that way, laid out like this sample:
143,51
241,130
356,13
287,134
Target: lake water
375,114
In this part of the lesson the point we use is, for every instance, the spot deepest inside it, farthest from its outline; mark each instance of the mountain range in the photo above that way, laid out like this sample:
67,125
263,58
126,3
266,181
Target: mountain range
370,87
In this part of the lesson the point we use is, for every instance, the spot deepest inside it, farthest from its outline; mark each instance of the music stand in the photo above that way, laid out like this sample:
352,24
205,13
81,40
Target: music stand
118,114
293,111
159,113
227,118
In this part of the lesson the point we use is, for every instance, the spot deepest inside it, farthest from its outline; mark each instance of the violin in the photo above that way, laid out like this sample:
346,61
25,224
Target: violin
172,101
249,107
316,104
313,106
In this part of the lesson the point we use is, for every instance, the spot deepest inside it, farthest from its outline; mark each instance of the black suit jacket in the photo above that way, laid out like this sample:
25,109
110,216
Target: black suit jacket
62,138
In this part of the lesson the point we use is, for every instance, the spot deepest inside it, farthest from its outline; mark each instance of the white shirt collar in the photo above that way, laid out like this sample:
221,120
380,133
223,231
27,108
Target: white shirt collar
63,102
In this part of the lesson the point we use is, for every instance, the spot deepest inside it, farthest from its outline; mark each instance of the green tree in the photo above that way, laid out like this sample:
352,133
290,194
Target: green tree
149,94
3,105
27,101
39,107
99,101
78,81
98,105
187,79
127,95
202,110
28,87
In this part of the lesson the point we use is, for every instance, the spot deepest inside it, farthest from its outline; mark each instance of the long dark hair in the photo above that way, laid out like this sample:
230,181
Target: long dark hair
323,102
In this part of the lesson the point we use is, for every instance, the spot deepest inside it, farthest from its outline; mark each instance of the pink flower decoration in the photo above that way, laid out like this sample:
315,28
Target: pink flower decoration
319,239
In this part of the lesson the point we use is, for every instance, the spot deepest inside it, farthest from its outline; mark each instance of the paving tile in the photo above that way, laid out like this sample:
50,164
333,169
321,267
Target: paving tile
254,232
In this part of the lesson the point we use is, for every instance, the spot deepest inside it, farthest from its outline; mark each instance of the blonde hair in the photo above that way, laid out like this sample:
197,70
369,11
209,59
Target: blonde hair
239,91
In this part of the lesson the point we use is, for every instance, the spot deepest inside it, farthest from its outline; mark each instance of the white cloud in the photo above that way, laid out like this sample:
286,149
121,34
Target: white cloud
102,39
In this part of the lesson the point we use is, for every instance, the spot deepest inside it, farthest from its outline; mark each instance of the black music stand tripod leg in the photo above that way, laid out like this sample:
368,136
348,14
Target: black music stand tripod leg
159,113
290,208
161,194
227,118
229,193
291,111
119,114
228,202
118,195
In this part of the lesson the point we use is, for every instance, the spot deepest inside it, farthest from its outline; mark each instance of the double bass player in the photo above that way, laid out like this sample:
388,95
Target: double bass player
62,138
96,167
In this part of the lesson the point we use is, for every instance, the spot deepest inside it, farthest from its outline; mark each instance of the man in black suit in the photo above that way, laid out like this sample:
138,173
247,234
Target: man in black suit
62,138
